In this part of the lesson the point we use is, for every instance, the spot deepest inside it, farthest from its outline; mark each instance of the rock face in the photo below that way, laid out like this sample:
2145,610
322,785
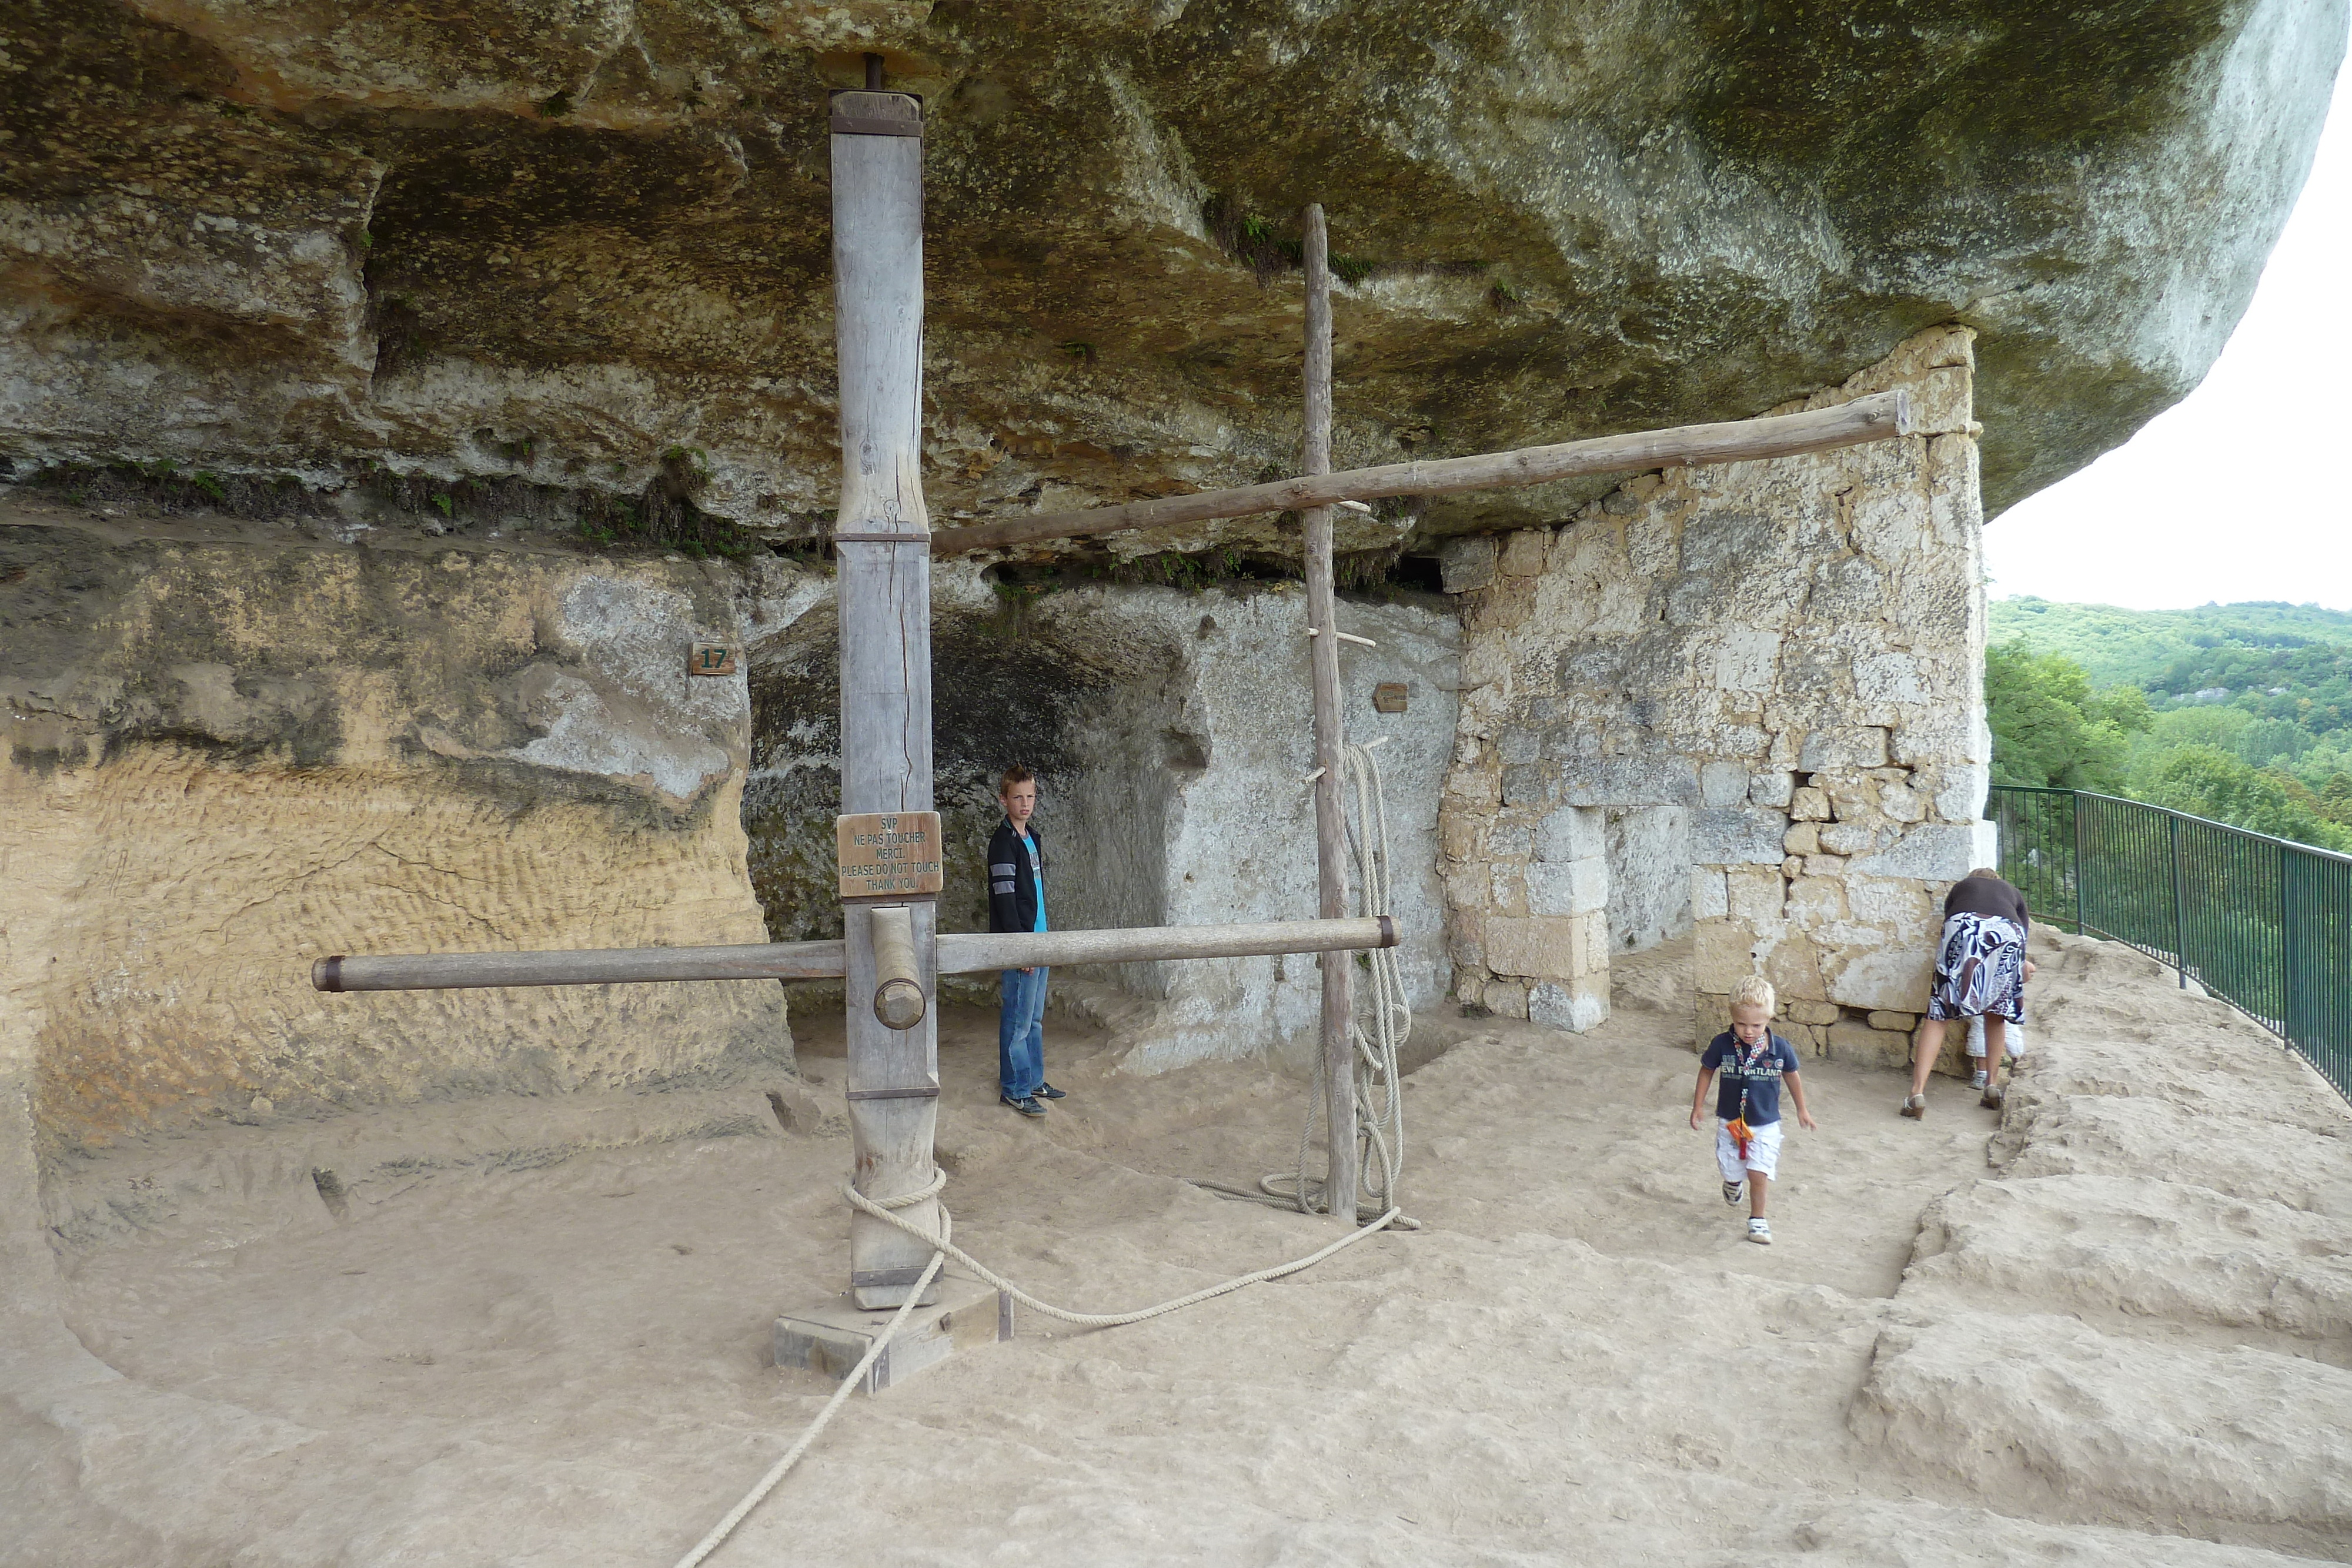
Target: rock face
231,755
1171,735
1747,697
585,247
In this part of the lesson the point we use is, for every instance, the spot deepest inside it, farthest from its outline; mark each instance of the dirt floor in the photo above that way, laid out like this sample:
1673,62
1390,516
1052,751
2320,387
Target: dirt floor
2108,1326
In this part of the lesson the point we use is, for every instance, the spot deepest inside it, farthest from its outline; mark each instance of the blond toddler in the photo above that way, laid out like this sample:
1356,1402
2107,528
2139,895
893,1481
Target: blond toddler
1754,1063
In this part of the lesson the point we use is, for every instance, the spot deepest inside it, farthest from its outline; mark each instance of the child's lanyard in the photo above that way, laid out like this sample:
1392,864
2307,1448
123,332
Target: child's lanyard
1747,1059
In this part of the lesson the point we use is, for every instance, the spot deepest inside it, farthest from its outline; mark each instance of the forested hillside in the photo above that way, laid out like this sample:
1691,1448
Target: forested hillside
2286,661
2238,712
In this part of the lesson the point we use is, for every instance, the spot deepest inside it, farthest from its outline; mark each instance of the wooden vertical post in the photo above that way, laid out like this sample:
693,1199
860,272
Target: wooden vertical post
1323,656
884,598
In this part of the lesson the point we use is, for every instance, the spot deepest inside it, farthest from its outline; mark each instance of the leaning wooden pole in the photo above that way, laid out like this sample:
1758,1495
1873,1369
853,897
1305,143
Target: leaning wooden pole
1876,417
1323,659
881,545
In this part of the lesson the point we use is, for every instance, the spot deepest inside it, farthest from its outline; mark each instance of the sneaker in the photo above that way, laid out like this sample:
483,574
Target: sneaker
1731,1191
1027,1104
1992,1099
1977,1079
1915,1107
1047,1091
1759,1231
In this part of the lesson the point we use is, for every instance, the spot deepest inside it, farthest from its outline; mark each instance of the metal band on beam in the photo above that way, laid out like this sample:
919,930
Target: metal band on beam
875,113
875,1279
862,125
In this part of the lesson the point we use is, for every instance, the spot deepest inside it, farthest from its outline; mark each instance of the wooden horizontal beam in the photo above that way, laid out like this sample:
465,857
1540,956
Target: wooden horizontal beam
969,953
595,967
1874,418
959,953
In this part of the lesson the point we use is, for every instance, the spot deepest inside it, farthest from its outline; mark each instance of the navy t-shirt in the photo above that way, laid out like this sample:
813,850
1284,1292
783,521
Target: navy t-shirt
1757,1071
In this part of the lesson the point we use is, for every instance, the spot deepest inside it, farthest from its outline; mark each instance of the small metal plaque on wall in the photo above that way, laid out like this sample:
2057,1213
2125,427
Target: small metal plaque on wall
1389,697
711,659
887,852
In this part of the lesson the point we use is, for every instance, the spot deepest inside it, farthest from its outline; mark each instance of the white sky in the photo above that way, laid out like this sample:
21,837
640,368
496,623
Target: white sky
2239,491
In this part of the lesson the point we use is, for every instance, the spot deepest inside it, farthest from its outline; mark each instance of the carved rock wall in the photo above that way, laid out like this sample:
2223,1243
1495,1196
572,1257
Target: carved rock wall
1761,682
1170,732
232,752
1198,811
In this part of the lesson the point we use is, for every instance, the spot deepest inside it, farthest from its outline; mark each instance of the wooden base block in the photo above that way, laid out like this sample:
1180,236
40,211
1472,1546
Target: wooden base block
831,1338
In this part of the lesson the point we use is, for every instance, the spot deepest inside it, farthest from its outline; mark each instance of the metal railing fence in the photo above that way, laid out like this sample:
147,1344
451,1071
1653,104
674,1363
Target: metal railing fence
2260,923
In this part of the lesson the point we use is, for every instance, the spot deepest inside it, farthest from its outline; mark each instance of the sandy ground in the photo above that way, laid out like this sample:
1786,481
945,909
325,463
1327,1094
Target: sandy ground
2107,1327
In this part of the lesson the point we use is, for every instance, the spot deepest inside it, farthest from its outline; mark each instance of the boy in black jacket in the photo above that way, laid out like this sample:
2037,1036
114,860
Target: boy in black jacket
1016,902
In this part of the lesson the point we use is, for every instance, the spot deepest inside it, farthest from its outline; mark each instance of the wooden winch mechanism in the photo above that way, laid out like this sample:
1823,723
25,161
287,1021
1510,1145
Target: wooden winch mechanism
892,954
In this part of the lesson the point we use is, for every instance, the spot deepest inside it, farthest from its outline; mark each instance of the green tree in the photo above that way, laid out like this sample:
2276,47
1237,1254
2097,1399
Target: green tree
2206,781
2048,726
2222,728
2334,802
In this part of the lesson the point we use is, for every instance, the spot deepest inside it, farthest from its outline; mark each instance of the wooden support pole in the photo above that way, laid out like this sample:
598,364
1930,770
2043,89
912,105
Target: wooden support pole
884,592
1874,418
1323,661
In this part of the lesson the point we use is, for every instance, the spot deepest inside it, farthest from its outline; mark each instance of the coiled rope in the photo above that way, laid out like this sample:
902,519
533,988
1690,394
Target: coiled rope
944,1248
1379,1087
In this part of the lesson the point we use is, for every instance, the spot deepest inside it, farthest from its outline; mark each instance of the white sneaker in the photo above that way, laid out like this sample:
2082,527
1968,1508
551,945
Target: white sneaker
1759,1231
1977,1080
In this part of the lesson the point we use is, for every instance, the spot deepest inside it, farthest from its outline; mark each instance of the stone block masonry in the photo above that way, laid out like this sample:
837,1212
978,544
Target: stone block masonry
1743,702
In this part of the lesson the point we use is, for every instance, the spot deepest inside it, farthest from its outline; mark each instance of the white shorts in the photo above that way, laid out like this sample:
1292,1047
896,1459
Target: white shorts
2012,1040
1763,1151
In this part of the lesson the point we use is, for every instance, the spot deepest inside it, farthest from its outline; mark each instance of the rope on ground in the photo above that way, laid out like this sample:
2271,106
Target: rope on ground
944,1248
1379,1086
776,1472
1108,1320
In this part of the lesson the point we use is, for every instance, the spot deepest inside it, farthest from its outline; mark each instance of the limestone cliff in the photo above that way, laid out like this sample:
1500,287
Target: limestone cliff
586,245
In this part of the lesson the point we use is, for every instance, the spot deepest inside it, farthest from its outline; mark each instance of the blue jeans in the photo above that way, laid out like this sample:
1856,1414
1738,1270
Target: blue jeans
1021,1033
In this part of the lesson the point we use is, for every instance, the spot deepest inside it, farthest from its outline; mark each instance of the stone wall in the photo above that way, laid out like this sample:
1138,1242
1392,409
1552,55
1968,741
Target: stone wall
233,749
1760,683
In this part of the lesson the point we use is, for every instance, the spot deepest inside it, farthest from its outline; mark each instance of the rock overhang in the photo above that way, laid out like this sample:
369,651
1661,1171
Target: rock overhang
568,247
